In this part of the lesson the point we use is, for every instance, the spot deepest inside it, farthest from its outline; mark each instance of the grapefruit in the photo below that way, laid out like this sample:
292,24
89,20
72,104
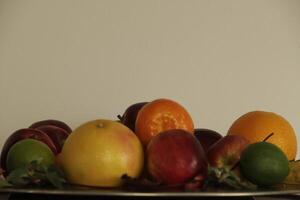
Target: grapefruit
99,152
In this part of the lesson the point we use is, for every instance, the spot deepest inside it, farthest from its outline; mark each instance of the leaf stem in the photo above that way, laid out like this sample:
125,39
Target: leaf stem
270,135
120,117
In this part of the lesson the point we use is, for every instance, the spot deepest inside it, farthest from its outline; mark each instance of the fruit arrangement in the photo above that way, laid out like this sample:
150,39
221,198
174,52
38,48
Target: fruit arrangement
153,146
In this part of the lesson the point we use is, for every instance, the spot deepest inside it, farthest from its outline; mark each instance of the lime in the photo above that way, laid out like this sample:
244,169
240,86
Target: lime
27,150
264,164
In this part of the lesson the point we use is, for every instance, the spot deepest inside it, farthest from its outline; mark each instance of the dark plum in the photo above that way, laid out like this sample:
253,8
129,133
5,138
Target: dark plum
57,134
207,137
130,114
52,122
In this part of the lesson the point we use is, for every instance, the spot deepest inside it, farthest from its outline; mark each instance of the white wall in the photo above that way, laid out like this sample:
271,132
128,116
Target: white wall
80,60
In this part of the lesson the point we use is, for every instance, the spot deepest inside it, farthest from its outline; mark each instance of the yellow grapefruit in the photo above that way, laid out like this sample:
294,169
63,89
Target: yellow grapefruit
99,152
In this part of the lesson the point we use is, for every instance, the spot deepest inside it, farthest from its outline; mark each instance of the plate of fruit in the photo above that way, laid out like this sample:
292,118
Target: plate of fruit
153,149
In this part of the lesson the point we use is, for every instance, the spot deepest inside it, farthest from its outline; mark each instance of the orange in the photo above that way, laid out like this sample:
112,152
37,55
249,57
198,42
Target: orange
99,152
161,115
257,125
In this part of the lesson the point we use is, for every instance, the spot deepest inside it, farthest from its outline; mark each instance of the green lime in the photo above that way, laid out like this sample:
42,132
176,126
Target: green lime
27,150
264,164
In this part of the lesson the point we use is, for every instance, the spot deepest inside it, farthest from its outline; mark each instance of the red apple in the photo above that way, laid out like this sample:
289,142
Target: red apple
175,156
52,122
130,114
58,135
25,133
227,151
207,137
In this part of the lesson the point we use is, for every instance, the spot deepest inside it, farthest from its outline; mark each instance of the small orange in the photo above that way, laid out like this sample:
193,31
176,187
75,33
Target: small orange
161,115
257,125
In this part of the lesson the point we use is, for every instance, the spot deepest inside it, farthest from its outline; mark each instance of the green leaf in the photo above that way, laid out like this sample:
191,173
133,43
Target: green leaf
227,177
55,180
4,183
18,177
35,173
55,177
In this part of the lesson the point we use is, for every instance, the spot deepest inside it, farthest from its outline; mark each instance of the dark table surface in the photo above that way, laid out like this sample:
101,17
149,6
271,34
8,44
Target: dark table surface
20,196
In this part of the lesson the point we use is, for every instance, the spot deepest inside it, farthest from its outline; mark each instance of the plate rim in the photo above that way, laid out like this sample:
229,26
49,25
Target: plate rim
107,192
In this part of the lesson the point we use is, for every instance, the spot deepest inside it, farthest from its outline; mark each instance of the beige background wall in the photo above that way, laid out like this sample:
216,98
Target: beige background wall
81,60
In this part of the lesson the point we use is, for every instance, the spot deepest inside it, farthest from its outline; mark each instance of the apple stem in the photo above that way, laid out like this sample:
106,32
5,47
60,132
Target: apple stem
120,117
270,135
